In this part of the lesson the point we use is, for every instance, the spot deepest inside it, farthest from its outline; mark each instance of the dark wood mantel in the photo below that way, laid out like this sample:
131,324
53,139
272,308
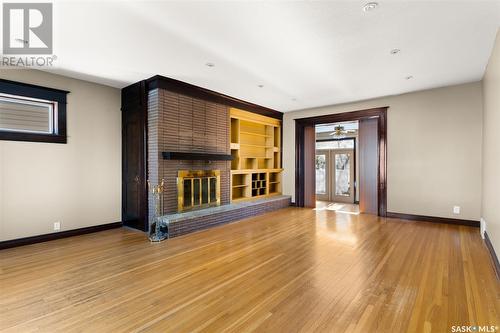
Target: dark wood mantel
195,156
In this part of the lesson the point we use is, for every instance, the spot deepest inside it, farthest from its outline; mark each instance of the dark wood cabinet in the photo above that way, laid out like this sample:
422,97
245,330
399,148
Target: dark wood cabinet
134,140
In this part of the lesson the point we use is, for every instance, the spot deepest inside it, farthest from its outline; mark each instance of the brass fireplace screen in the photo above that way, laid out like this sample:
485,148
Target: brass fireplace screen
197,189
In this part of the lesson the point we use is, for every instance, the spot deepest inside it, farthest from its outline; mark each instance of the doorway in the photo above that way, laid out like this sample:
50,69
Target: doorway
336,165
335,174
374,124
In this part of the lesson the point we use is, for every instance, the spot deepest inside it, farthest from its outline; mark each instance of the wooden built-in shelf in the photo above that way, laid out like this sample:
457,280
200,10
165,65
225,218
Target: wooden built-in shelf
256,134
252,145
255,148
245,171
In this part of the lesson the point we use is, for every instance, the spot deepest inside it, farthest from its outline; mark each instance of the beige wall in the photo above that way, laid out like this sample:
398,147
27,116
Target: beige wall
78,183
434,149
491,147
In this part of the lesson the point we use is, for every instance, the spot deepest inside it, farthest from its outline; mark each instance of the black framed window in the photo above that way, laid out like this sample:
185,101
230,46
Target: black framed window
32,113
344,143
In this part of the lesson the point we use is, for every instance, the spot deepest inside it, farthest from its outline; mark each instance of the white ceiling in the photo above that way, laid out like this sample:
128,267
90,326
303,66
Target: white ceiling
305,53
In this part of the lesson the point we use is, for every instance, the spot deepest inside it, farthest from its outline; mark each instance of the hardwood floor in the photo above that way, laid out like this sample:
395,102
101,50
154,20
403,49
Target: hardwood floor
338,207
287,271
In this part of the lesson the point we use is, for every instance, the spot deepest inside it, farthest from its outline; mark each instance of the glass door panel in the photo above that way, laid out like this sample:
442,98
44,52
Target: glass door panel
322,175
343,172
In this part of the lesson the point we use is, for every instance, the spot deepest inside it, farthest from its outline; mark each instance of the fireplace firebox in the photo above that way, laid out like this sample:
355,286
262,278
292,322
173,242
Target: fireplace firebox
197,189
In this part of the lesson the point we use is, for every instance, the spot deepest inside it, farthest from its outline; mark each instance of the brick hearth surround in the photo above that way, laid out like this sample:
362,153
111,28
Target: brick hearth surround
184,124
184,223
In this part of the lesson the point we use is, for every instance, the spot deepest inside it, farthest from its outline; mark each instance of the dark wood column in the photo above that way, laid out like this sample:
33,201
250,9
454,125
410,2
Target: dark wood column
310,167
368,166
134,159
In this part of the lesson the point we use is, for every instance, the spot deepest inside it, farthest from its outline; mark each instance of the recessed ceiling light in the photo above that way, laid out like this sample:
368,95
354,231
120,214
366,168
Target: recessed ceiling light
260,86
370,6
210,64
409,77
395,51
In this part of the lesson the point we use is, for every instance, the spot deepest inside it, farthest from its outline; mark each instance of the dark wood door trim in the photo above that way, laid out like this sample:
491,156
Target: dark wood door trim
299,164
300,125
309,168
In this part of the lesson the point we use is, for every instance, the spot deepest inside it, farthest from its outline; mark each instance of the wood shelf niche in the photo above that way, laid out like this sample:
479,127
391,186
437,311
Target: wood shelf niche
256,152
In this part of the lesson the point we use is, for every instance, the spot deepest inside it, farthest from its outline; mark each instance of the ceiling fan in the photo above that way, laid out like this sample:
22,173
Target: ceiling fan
340,132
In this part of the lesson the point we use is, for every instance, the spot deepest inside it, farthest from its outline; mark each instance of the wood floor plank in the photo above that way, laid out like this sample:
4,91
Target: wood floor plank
294,270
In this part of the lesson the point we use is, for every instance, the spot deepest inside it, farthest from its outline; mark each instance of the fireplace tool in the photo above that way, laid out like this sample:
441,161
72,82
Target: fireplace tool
158,230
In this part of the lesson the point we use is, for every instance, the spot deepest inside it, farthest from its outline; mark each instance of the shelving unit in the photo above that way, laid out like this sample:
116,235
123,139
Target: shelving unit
256,151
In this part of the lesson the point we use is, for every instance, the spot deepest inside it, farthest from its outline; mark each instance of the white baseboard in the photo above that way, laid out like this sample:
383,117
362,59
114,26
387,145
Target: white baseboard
482,227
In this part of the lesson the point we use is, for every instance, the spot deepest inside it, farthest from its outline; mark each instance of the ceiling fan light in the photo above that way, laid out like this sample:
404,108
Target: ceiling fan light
370,6
339,132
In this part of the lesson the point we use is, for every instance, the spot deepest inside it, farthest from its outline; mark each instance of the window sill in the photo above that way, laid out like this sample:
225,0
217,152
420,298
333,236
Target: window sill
32,137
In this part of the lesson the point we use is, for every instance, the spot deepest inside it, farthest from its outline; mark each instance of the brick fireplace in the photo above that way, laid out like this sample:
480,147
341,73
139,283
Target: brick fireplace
171,127
181,123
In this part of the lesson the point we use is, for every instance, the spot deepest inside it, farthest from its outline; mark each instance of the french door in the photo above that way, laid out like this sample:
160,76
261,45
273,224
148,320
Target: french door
335,175
323,183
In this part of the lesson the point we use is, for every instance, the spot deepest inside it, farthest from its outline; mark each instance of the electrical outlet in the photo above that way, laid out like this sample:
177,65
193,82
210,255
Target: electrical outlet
57,226
456,209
